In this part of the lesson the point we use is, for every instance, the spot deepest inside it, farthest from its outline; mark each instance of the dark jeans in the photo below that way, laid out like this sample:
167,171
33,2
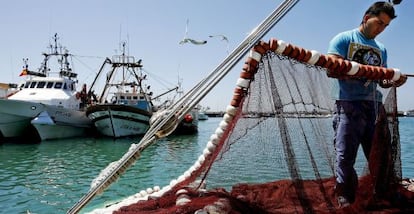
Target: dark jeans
354,124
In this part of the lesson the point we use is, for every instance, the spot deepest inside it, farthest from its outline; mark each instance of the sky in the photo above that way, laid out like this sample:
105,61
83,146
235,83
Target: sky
94,29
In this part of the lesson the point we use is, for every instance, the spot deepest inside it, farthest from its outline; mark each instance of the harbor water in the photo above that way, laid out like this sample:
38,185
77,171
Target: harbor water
51,176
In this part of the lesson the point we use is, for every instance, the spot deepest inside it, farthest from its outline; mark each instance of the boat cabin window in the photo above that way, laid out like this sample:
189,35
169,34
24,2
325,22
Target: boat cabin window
141,97
49,84
58,85
41,84
65,86
128,97
32,84
122,97
135,97
27,85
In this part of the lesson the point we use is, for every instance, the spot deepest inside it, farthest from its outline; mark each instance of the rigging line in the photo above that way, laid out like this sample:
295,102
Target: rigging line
76,57
150,136
83,56
159,79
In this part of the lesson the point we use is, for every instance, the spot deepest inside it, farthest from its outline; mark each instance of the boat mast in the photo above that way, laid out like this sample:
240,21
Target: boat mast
126,62
62,55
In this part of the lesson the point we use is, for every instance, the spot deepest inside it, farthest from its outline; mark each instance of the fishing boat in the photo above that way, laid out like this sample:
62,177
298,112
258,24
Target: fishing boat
189,123
202,115
409,113
47,101
129,108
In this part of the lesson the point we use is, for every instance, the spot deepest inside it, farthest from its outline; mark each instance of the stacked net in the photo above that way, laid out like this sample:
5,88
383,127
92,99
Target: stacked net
273,151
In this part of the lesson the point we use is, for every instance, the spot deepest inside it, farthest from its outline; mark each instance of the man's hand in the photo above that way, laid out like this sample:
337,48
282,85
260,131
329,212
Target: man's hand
400,81
390,83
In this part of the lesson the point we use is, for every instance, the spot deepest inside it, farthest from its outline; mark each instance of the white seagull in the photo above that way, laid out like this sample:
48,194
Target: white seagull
223,37
189,40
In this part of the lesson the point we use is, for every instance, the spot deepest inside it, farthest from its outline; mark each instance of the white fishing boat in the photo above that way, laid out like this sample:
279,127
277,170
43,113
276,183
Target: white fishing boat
202,113
48,100
129,108
55,123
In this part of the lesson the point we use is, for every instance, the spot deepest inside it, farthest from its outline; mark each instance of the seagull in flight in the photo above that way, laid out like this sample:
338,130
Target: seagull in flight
189,40
223,37
195,42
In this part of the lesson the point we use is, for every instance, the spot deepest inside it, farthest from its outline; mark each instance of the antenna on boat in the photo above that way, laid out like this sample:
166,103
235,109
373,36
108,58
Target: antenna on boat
55,48
26,65
25,70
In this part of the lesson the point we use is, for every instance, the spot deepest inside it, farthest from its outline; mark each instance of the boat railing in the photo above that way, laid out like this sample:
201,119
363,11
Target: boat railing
123,59
68,74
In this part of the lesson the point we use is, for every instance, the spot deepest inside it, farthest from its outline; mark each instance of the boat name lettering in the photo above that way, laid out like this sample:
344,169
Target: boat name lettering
124,126
62,113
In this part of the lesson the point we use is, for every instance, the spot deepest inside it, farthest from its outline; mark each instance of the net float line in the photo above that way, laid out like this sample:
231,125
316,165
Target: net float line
336,67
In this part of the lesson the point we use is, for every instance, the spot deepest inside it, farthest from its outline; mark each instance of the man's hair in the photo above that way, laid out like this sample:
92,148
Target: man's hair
381,6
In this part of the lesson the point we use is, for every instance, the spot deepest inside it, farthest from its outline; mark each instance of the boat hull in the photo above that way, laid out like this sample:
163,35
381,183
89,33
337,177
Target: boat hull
115,120
189,124
51,132
202,116
15,116
57,123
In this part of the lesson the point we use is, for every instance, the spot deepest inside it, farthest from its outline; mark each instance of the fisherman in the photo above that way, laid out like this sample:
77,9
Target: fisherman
358,100
83,95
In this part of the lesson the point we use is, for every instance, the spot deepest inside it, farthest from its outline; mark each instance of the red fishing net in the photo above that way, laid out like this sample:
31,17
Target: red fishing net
273,152
276,197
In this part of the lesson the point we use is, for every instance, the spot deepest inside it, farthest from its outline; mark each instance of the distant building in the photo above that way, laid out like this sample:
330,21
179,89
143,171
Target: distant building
6,89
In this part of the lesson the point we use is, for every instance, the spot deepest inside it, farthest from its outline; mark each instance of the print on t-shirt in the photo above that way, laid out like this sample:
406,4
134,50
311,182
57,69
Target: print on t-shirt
364,54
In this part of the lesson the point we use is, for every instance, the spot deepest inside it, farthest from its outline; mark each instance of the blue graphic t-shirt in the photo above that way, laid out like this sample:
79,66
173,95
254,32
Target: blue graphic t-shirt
352,45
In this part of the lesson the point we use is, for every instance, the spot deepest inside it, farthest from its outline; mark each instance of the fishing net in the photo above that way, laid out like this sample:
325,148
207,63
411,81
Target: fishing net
273,151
